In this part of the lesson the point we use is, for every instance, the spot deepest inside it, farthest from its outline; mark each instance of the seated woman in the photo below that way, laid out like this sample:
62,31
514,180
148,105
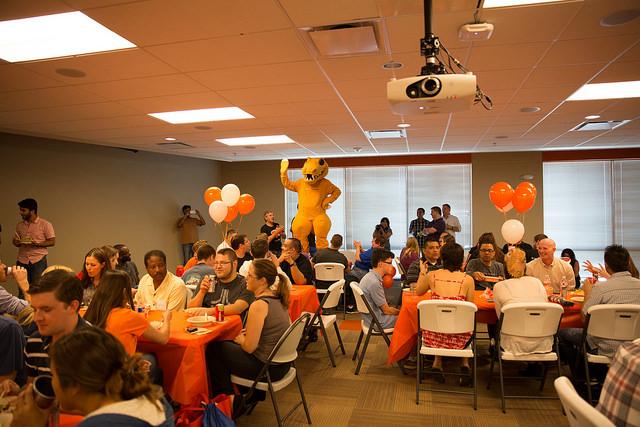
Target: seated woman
520,288
93,376
96,263
267,320
409,253
447,284
570,256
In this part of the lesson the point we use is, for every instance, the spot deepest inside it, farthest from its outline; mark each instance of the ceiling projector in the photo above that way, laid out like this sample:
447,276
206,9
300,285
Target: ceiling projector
437,93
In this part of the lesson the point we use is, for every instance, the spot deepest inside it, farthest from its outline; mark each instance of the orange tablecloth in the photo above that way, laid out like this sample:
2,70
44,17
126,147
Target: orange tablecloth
182,359
406,329
302,298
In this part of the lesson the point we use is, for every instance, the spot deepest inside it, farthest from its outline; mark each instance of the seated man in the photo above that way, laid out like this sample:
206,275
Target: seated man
331,254
205,255
242,246
551,270
259,250
9,303
295,265
430,256
160,287
363,258
371,285
228,288
520,288
226,243
485,270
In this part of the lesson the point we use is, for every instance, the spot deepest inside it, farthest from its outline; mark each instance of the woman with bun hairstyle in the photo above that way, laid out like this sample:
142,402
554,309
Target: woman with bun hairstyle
93,376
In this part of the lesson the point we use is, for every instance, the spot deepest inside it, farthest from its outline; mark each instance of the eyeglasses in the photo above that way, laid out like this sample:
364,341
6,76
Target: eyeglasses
487,250
221,263
388,262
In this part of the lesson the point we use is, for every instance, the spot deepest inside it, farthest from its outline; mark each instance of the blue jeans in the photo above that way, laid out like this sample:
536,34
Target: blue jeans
34,271
187,252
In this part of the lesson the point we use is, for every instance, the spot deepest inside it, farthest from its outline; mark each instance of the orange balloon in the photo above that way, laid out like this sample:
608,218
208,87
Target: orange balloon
232,213
523,199
527,184
245,204
501,194
212,194
387,280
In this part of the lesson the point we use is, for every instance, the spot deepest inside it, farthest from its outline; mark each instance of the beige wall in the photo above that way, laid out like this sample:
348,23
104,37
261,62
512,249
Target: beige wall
262,181
97,195
488,168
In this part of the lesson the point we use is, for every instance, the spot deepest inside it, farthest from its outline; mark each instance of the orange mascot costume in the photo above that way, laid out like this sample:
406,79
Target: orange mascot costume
315,195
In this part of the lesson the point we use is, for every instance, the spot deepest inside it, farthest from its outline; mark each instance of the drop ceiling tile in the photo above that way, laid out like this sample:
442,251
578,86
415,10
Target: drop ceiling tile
237,51
123,64
368,66
15,77
506,56
313,13
189,101
560,76
50,97
587,22
585,51
279,94
364,88
260,75
534,95
169,21
379,103
18,9
146,87
619,72
501,79
66,113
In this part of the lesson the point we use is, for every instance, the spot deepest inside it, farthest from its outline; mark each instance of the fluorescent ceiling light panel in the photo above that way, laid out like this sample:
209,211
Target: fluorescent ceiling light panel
55,36
489,4
203,115
257,140
615,90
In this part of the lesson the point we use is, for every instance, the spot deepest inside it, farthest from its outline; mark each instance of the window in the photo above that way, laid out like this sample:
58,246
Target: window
370,193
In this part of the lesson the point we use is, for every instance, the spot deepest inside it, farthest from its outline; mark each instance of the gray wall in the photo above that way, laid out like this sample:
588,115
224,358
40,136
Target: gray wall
97,195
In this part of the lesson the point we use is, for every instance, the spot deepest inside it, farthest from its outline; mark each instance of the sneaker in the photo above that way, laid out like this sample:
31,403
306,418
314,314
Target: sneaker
437,375
465,380
409,363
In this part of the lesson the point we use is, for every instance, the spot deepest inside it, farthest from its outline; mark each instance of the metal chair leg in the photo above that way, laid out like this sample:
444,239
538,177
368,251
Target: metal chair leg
355,352
364,351
418,377
273,400
335,326
475,376
504,407
587,379
304,400
326,343
490,373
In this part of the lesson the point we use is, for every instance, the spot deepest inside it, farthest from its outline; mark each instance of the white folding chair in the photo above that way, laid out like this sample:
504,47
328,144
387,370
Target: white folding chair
285,351
350,254
330,272
619,322
375,328
579,412
528,320
447,317
324,321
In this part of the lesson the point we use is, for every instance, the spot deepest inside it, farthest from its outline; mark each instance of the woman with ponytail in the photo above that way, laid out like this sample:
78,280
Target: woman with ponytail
267,320
93,376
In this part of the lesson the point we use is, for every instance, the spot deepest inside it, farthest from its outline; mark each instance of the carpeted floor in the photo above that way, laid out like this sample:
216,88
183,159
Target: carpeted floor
382,396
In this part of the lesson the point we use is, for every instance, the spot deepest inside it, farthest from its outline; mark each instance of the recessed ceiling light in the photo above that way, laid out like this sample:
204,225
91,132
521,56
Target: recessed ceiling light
620,17
170,139
391,65
420,108
614,90
357,149
489,4
257,140
592,117
70,72
502,137
55,36
530,109
404,125
203,115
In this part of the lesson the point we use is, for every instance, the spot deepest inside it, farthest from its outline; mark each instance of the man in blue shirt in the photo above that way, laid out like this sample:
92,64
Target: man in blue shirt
361,267
371,285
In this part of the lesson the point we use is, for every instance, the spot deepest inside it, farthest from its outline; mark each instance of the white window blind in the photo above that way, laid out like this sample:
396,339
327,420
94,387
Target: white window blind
438,184
577,204
626,196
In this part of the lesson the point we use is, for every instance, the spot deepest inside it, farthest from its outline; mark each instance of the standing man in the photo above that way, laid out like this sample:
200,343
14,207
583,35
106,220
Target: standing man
33,236
274,232
549,269
417,225
452,223
436,227
188,226
485,270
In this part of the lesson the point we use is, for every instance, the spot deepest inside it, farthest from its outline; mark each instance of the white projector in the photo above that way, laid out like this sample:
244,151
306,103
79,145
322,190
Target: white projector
438,93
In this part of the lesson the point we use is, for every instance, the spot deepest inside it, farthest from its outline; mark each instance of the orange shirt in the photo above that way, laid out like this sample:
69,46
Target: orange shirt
192,261
127,325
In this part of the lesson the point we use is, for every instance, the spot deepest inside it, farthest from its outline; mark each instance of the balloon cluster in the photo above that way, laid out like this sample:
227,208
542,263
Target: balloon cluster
225,204
505,198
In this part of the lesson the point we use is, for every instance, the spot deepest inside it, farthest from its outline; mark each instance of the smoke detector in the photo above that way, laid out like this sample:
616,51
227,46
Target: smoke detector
475,32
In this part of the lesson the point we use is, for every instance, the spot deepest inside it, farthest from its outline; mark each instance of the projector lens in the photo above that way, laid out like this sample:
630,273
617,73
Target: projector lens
431,86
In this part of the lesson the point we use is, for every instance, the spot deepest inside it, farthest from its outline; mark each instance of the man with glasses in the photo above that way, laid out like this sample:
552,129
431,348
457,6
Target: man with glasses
371,285
485,270
228,288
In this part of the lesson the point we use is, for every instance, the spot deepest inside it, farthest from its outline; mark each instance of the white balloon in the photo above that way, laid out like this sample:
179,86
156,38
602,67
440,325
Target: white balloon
230,194
512,231
218,211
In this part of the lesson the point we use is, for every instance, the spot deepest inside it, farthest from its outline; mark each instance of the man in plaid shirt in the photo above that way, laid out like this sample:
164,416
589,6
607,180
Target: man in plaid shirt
620,397
417,225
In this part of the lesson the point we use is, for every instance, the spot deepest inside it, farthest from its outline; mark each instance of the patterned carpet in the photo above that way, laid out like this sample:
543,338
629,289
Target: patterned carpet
382,396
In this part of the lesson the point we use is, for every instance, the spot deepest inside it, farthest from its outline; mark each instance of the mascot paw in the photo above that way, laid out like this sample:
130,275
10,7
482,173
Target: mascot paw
284,165
326,205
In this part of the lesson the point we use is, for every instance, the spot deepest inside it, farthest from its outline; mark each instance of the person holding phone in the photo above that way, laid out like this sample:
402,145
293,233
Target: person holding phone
188,225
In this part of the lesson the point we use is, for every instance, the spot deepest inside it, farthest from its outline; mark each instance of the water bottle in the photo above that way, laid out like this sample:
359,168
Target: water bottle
563,287
547,284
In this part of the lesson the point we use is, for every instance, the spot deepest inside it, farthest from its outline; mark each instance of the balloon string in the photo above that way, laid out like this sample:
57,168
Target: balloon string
240,223
221,232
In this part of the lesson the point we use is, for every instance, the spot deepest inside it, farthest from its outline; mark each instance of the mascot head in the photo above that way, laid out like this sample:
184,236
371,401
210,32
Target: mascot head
314,170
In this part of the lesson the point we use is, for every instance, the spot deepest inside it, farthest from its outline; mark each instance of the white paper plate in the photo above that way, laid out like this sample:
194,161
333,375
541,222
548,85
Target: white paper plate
201,320
577,298
156,324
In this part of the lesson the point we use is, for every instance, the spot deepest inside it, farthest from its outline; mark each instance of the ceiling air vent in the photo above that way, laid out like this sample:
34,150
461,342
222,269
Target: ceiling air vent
600,126
175,144
386,134
354,38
